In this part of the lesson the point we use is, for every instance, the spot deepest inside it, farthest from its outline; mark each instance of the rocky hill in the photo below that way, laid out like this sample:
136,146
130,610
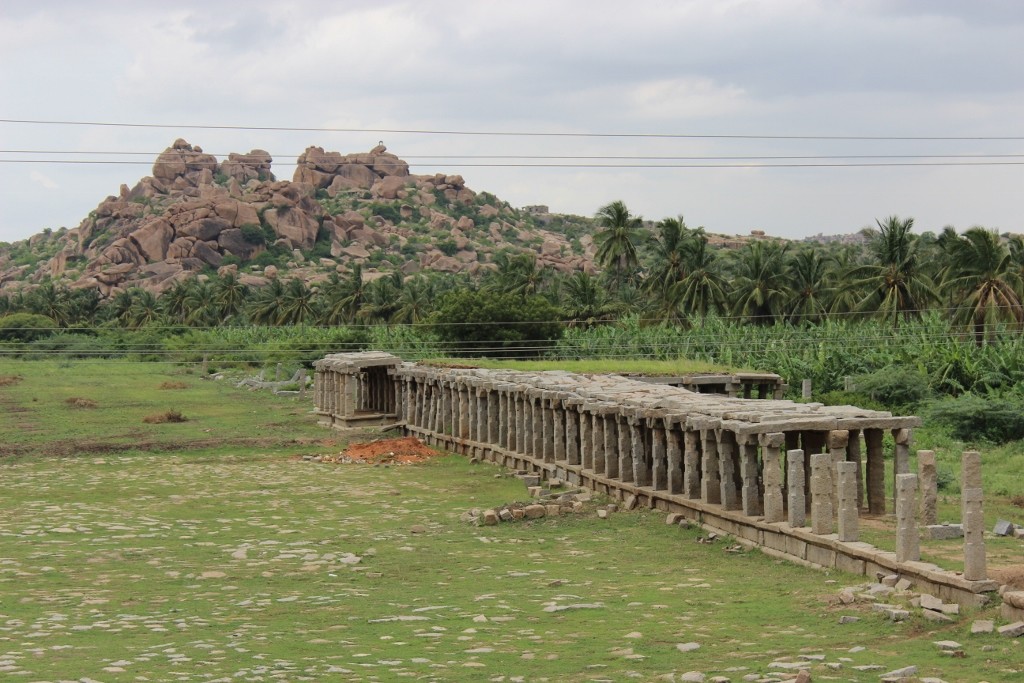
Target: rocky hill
196,215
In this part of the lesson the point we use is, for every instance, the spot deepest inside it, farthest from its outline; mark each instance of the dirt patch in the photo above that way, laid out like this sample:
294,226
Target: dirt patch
77,402
404,451
8,380
170,416
174,385
1012,576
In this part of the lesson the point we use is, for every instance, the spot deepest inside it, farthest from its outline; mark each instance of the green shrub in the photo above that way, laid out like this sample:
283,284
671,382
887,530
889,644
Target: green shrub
894,387
482,323
849,398
973,418
25,327
447,247
253,234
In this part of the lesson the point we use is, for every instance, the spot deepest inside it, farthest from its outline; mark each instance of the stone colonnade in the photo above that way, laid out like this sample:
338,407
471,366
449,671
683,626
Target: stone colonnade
755,468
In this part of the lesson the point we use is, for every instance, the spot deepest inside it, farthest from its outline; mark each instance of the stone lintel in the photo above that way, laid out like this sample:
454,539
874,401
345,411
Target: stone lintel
909,421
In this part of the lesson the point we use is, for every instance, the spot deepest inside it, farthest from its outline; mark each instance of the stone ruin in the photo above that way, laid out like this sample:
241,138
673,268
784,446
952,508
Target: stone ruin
791,478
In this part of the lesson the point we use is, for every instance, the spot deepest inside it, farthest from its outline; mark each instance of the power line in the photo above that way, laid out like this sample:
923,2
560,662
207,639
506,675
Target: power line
541,134
548,157
582,165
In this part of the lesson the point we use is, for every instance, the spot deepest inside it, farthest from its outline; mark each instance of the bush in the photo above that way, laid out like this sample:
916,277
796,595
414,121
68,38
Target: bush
895,387
25,327
850,398
477,323
973,418
253,234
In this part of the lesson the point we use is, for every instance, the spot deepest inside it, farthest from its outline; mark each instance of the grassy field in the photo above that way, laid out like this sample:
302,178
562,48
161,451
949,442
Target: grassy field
209,550
679,366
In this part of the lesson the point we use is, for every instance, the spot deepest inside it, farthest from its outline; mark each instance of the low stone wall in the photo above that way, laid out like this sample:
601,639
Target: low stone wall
755,469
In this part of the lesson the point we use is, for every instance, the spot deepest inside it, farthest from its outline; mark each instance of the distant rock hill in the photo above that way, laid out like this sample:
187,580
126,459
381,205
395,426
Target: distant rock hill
195,216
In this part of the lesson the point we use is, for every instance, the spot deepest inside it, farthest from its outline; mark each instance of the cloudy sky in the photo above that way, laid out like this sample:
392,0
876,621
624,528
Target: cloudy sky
731,91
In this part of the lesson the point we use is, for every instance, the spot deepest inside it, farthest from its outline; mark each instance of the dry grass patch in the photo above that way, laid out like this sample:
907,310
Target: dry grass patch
78,402
174,385
164,418
8,380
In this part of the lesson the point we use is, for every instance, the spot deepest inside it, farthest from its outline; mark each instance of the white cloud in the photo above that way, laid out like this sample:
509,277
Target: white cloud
43,180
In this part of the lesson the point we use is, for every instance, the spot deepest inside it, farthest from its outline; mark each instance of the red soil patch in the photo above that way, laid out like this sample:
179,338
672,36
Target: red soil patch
405,451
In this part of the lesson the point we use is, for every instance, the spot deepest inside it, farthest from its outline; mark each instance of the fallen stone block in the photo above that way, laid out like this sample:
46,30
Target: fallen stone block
534,511
490,517
602,514
932,615
944,532
897,674
890,580
930,602
904,584
1014,630
983,626
505,515
631,501
847,619
673,518
1003,528
553,510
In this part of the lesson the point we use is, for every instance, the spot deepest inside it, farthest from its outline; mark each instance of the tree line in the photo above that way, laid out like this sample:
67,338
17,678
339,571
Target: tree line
665,273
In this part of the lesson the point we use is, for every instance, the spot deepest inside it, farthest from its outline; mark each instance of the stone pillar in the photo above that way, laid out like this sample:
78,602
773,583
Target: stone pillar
691,464
795,486
467,411
838,440
771,451
846,474
821,493
674,456
547,433
625,448
611,444
493,419
571,417
972,517
710,484
908,543
638,452
587,445
537,418
658,456
350,396
526,433
727,470
929,487
502,399
558,429
853,454
596,457
751,493
876,471
904,438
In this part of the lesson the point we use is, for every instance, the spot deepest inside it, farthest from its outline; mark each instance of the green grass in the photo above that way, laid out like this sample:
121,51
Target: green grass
234,561
681,366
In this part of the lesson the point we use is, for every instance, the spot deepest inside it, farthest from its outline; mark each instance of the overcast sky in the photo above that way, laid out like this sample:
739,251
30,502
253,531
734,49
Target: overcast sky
884,68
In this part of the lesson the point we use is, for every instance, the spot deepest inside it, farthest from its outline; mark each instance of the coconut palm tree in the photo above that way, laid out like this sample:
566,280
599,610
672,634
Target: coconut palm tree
617,240
298,305
897,288
585,302
760,287
145,309
341,299
702,291
810,286
230,295
414,302
265,307
981,277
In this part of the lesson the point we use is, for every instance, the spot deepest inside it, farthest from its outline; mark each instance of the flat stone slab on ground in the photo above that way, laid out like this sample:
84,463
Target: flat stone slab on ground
1014,630
983,626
